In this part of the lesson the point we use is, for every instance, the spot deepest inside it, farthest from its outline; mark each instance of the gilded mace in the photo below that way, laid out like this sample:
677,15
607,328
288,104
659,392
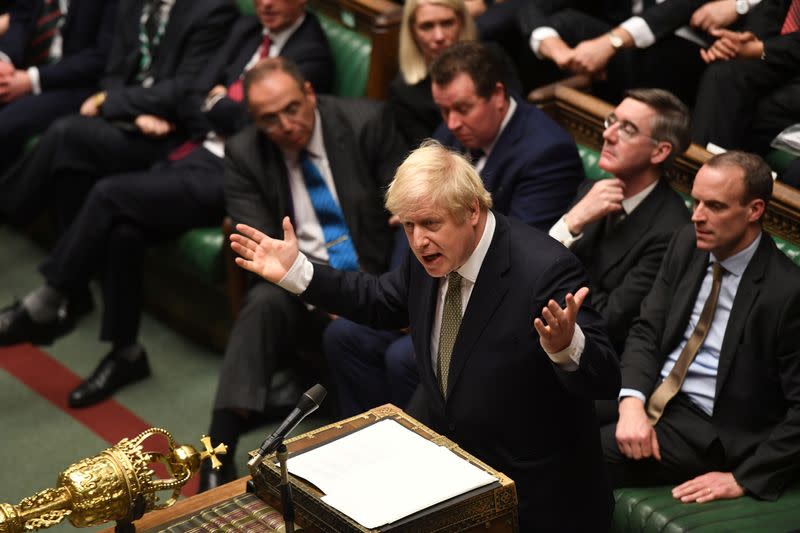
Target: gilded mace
116,484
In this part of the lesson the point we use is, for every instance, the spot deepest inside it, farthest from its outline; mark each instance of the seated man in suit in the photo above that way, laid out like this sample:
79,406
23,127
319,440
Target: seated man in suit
750,91
51,60
710,394
621,44
530,165
472,292
324,161
620,227
125,212
159,48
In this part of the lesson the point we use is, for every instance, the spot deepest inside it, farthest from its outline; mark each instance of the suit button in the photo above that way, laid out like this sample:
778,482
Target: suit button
451,426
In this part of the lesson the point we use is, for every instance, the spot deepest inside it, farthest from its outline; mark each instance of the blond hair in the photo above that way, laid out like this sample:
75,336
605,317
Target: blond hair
438,176
412,62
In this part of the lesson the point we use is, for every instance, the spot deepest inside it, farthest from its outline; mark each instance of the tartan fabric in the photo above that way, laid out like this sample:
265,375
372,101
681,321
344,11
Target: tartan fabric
245,513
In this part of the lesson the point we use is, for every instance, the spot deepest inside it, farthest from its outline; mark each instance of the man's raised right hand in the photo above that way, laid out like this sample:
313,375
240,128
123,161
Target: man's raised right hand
269,258
603,198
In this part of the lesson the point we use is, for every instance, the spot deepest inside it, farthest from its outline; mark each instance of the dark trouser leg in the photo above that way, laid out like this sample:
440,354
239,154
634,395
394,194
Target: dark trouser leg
123,214
355,355
774,113
31,115
75,147
402,374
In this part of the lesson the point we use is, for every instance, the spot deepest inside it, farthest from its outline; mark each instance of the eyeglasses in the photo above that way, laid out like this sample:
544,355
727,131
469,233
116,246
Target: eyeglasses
627,130
271,121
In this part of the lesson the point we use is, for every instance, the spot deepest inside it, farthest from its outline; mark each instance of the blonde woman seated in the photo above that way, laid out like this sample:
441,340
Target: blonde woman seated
428,28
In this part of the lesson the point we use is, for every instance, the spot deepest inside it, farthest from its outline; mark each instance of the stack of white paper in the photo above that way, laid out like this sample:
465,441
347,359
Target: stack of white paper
385,472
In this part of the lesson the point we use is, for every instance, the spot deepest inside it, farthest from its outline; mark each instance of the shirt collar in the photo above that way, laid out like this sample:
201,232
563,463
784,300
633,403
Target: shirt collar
629,204
279,38
470,269
512,107
737,263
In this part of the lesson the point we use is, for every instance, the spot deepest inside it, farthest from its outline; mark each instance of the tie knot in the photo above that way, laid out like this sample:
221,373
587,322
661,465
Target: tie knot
717,270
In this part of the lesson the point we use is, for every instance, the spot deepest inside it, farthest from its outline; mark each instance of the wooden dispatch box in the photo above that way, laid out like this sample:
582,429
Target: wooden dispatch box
489,509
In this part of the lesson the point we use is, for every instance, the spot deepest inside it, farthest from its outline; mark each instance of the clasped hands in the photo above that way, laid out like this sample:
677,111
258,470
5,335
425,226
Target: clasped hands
588,57
637,440
13,83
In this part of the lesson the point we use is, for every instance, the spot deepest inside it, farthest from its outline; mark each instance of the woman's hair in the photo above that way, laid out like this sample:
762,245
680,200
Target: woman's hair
412,62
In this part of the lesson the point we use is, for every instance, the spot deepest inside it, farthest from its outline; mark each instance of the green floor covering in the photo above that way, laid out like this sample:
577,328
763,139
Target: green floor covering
38,440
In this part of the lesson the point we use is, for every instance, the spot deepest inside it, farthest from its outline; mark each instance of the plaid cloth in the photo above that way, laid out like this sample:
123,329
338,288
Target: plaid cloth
245,513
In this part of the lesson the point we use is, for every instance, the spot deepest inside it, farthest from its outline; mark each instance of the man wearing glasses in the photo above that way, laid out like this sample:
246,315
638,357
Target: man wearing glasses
323,162
620,227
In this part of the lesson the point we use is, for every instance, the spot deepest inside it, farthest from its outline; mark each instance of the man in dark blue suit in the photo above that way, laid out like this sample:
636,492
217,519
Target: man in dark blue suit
527,162
125,212
34,91
518,399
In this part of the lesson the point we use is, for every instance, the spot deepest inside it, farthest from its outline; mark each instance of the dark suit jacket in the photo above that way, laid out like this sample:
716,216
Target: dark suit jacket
507,403
196,29
307,47
87,33
757,403
623,264
573,18
533,171
363,150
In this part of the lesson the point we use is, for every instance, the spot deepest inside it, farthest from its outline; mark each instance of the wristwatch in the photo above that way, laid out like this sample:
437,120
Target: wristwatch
616,41
742,7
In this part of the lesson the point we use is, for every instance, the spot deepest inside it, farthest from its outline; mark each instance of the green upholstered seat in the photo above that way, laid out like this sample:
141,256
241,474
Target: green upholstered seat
351,53
654,510
589,158
779,159
200,251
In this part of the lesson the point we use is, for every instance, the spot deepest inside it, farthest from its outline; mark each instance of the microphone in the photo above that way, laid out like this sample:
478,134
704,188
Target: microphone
309,402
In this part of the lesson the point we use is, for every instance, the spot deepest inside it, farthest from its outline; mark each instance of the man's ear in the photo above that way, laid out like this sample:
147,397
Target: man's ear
661,152
756,210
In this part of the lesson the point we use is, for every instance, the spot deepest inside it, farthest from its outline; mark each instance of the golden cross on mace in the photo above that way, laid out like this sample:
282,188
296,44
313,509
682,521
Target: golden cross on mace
221,449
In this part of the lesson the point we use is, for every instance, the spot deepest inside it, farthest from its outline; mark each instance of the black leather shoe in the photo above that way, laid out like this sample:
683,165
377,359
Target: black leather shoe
211,479
113,373
16,326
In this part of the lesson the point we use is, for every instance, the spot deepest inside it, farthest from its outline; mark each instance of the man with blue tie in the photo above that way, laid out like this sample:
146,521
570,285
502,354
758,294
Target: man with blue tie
323,161
710,396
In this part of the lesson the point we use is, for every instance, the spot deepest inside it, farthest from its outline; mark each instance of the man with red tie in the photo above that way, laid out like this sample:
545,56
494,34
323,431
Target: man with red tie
125,212
750,91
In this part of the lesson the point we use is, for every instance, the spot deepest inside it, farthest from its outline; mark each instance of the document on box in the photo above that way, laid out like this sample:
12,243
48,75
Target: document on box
385,472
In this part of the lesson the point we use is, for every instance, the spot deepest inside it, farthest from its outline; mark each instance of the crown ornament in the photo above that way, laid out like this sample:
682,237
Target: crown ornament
116,484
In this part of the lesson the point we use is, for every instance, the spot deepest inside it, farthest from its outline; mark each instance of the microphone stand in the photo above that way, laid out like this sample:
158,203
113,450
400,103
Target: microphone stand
286,489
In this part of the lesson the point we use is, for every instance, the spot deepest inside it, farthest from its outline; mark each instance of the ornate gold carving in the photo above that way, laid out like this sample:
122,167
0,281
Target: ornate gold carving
116,484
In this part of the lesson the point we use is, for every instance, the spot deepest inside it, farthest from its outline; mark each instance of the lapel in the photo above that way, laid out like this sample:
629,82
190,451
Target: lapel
746,294
504,147
629,231
268,164
489,291
342,153
429,291
247,43
179,18
685,295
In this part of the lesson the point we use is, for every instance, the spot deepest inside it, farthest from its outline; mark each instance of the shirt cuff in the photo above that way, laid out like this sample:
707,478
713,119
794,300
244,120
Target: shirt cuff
538,35
33,74
632,392
570,357
297,279
640,31
560,232
211,102
4,57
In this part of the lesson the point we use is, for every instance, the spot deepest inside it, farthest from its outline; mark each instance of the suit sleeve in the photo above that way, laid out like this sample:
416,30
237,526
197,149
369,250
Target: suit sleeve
773,466
163,98
84,68
783,52
20,30
642,359
666,17
598,375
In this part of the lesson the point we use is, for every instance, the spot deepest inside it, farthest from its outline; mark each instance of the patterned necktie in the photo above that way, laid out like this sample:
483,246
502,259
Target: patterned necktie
152,25
236,89
792,22
341,252
47,27
451,323
672,383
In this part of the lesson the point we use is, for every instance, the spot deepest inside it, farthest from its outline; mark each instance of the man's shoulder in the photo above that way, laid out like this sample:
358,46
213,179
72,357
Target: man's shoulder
357,112
538,133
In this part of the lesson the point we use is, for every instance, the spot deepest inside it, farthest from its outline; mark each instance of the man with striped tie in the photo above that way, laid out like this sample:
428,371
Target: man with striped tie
750,91
322,161
51,60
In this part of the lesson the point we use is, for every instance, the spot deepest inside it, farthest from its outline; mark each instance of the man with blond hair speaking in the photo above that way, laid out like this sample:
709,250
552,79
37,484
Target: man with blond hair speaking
473,293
